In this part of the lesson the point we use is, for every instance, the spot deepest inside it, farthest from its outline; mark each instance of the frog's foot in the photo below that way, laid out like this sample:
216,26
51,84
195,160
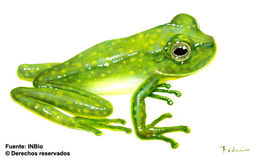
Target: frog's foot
103,124
156,133
150,132
109,121
159,88
162,130
158,136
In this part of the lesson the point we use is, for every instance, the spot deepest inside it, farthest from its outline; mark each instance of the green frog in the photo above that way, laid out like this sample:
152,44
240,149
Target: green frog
68,93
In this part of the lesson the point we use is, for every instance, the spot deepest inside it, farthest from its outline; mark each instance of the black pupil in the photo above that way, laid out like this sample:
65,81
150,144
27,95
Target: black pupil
180,51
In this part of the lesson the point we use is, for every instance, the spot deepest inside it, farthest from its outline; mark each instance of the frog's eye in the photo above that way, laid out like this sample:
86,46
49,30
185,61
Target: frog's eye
180,51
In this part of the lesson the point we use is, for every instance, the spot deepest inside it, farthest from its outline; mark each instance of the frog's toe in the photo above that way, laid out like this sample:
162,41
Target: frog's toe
119,128
164,98
84,127
167,90
165,85
176,92
151,135
162,117
186,130
98,133
121,121
94,124
173,143
128,130
109,121
112,127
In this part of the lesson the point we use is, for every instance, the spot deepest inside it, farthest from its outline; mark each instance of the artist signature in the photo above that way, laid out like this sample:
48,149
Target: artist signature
234,149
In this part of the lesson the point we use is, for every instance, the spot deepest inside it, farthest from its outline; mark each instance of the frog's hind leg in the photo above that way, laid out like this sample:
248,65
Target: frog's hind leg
29,72
89,110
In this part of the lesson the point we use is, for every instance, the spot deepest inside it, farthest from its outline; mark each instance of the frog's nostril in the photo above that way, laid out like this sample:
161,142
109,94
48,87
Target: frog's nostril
209,44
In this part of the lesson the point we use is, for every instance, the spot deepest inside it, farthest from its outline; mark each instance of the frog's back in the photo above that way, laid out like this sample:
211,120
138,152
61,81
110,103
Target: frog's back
105,68
114,66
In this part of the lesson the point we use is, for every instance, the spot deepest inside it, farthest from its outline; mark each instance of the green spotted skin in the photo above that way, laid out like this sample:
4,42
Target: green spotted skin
140,63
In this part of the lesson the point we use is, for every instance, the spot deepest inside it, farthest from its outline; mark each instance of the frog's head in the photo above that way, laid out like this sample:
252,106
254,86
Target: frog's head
188,49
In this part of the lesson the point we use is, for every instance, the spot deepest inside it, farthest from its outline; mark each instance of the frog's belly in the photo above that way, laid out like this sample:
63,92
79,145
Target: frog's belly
113,87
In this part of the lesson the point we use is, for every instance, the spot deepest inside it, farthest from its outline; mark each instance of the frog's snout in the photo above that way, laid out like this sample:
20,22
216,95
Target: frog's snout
210,44
211,47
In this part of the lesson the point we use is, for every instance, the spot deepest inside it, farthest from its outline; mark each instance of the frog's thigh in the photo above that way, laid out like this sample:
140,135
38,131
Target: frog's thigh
91,106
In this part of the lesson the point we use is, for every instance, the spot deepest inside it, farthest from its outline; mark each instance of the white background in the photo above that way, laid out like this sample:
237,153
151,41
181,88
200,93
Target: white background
220,103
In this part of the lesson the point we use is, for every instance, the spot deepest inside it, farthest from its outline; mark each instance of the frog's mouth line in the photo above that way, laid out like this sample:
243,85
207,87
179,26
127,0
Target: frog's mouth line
172,76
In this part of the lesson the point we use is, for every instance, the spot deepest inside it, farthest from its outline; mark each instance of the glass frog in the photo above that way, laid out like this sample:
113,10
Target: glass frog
140,63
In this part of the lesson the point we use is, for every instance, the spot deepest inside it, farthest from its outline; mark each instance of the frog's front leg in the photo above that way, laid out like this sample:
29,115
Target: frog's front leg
138,109
89,110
